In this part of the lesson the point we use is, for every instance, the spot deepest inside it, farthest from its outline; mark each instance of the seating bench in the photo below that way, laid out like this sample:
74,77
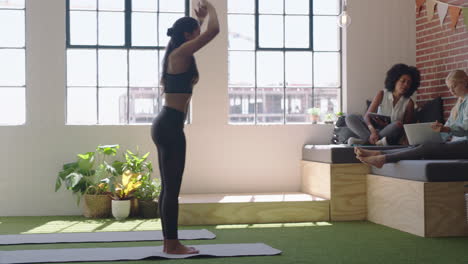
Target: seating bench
422,197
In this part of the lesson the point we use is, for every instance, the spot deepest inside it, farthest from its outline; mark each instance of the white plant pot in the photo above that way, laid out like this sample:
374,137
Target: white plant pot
120,209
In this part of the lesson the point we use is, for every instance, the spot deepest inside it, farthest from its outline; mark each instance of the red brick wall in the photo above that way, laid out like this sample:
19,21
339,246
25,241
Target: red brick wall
439,50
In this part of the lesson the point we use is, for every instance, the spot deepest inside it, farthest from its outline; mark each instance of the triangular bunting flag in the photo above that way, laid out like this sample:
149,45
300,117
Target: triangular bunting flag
454,14
465,15
419,4
442,9
430,9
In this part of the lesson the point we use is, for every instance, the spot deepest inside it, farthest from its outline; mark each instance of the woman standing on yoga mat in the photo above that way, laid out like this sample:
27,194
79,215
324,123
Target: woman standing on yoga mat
179,75
455,129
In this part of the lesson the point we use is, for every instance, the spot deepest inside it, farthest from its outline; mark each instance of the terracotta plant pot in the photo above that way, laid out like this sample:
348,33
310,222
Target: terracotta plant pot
96,206
148,209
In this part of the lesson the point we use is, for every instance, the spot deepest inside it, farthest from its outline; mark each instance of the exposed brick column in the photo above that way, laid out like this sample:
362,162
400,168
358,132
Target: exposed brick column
439,50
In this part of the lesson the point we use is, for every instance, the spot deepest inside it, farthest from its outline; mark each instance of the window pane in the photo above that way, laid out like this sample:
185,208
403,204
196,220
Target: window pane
81,106
326,7
83,28
17,4
112,106
81,67
166,21
112,68
326,33
144,29
12,67
298,100
300,7
172,6
143,105
145,5
270,6
297,31
83,4
241,6
13,106
12,28
327,69
241,105
270,69
270,105
144,68
241,32
241,68
111,28
299,69
328,100
271,32
112,5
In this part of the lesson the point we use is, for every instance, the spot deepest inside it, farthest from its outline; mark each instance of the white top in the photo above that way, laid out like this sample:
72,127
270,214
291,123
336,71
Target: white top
397,112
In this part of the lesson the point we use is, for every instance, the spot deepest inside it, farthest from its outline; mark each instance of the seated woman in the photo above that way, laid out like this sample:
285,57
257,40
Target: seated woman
456,146
394,101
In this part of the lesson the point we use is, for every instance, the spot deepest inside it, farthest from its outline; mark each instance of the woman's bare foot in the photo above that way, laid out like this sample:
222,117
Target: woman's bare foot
173,246
360,152
376,161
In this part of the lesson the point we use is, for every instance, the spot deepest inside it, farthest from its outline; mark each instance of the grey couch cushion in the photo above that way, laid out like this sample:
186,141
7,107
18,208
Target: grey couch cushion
426,170
333,153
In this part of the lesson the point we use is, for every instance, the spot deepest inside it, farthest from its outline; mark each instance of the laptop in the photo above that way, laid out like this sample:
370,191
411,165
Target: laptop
421,133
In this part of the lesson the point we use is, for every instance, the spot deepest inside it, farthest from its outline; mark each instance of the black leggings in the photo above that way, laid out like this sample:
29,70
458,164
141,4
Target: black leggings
167,132
449,150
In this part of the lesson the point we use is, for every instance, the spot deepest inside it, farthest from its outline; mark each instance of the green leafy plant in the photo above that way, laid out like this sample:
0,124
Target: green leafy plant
90,174
338,114
313,111
149,189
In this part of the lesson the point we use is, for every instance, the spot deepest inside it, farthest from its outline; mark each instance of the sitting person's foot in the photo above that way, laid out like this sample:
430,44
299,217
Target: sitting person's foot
360,152
173,246
376,161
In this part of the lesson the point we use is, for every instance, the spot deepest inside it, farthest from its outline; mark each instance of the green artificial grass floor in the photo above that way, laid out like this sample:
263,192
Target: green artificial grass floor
318,242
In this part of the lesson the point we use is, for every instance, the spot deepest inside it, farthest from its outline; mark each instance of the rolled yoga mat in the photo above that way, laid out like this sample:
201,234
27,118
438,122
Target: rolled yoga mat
100,237
131,253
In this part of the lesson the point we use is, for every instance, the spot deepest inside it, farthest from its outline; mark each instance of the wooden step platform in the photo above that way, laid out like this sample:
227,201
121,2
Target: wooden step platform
251,208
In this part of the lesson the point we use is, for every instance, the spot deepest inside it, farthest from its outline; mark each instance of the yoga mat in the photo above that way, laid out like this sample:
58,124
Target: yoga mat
131,253
100,237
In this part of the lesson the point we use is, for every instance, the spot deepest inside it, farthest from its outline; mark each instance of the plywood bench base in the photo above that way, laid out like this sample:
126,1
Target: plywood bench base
245,208
427,209
343,184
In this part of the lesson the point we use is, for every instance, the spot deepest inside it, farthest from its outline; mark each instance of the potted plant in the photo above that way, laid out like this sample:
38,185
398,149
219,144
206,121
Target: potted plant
87,178
123,188
340,119
140,167
329,118
314,114
147,195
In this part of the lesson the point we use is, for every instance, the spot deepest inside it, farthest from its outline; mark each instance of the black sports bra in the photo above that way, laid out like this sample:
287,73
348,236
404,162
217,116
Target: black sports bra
181,82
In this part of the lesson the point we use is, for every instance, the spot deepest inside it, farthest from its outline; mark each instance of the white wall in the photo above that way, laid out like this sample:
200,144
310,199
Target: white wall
220,157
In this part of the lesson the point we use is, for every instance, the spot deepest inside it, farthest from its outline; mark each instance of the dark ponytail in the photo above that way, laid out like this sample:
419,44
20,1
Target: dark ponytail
176,32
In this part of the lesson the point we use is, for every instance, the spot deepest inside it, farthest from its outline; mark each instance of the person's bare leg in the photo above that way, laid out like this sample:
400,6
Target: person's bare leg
360,152
173,246
376,161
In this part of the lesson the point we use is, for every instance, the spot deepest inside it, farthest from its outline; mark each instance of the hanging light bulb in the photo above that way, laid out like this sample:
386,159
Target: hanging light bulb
344,19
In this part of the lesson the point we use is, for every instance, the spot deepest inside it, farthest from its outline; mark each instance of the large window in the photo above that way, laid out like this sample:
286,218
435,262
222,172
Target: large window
114,52
12,62
284,58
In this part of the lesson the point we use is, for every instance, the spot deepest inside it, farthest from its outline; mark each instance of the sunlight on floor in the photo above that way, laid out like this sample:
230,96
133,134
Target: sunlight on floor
102,225
274,225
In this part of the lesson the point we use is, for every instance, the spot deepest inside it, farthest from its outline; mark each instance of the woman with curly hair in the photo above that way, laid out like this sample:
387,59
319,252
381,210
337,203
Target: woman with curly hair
455,130
393,101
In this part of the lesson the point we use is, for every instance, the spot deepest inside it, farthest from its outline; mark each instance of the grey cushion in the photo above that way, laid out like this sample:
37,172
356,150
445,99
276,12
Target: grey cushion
333,153
426,170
